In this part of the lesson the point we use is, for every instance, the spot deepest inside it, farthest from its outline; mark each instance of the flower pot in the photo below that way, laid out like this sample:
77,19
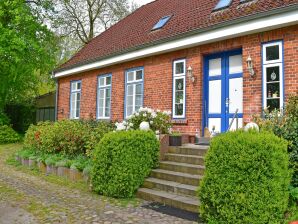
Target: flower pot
32,163
75,175
175,140
63,171
42,167
25,162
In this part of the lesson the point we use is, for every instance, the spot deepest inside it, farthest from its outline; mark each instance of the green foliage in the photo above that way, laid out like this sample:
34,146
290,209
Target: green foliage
70,137
52,159
97,130
286,126
4,120
246,179
21,116
25,154
121,162
27,50
79,163
8,135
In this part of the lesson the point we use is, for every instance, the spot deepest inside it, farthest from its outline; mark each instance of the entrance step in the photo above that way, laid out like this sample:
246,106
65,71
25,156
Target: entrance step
183,158
183,178
186,203
170,186
176,180
182,167
190,149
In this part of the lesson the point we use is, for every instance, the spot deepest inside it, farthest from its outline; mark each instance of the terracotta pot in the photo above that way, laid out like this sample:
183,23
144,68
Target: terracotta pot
63,171
75,175
25,162
42,167
32,163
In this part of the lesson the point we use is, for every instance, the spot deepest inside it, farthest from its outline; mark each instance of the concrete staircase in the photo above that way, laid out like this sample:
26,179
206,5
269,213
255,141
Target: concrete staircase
176,180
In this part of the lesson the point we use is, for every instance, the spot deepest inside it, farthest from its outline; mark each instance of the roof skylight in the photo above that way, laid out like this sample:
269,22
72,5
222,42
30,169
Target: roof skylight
161,23
223,4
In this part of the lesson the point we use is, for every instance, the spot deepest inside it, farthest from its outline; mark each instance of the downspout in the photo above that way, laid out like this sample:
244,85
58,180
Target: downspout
56,97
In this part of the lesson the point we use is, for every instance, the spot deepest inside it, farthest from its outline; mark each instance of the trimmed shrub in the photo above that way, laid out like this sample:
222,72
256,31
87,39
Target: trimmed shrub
246,179
8,135
122,161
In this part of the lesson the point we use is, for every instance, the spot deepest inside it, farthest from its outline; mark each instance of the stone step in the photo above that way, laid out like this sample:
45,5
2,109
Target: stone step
189,149
170,186
186,203
183,158
182,167
183,178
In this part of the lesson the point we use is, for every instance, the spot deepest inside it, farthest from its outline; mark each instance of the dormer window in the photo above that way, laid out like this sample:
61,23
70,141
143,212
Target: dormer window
222,4
161,23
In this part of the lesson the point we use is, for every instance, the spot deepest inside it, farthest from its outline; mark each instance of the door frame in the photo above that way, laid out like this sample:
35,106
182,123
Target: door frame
224,91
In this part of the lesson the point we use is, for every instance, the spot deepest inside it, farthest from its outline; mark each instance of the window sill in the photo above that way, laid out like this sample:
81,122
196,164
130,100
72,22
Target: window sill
179,121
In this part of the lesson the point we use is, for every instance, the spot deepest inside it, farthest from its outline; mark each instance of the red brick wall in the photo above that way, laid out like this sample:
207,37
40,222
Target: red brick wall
158,78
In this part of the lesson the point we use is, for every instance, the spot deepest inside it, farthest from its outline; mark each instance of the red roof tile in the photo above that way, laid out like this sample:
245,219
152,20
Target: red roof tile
187,15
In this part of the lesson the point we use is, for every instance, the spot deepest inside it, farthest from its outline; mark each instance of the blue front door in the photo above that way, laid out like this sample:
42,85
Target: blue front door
223,90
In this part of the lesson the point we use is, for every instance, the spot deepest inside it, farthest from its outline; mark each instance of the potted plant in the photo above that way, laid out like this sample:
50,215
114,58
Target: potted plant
175,139
275,94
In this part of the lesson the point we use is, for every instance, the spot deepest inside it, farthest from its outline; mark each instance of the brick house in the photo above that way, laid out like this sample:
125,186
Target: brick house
203,60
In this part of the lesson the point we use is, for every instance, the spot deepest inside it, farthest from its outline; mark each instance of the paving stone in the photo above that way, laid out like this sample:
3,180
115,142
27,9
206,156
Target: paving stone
61,204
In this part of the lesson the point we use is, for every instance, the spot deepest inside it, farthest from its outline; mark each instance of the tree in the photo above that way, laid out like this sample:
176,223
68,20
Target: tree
27,52
76,22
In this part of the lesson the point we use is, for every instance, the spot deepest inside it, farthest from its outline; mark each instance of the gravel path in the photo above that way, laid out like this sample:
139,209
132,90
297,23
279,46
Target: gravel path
29,197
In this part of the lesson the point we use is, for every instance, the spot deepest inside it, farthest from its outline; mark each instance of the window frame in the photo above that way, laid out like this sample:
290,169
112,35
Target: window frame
176,77
70,99
104,87
274,63
133,83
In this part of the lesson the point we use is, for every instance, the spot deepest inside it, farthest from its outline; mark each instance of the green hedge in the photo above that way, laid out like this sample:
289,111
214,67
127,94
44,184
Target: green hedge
246,179
122,161
71,137
8,135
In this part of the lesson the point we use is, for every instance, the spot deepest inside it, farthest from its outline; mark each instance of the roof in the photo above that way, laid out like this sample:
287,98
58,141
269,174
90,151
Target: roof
135,31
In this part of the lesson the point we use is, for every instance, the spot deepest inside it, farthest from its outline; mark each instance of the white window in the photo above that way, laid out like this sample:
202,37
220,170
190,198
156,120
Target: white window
134,91
179,83
75,99
104,97
273,77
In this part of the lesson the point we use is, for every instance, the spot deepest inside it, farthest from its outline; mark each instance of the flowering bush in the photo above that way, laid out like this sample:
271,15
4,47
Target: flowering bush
69,137
159,121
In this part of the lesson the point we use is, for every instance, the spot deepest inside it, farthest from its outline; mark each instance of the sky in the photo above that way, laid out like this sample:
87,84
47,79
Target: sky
142,2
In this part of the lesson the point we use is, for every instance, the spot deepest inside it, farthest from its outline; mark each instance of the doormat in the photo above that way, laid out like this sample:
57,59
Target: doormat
176,212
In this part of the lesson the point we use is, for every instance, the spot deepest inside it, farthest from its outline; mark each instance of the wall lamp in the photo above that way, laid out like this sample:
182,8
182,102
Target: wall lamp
250,66
190,74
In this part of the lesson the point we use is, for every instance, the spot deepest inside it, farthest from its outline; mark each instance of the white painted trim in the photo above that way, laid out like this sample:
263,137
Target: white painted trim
279,44
241,29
